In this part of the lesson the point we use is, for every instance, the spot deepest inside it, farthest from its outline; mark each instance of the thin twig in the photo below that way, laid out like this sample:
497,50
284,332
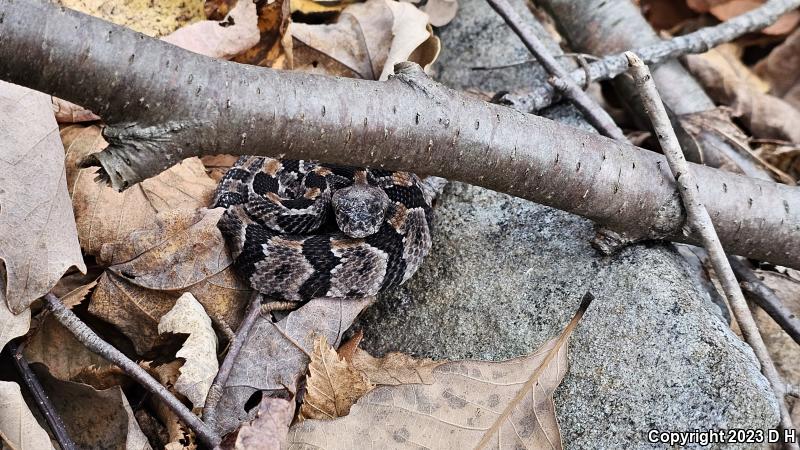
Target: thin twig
763,296
254,310
43,402
596,115
700,221
696,42
94,343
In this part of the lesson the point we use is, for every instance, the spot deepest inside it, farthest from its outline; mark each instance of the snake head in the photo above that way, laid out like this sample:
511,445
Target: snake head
360,209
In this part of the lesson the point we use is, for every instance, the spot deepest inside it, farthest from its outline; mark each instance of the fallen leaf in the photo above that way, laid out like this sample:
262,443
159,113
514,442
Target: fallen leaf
764,115
237,32
134,310
67,112
199,350
269,428
217,165
785,157
93,418
18,428
310,7
782,69
276,355
153,18
394,368
270,48
441,12
365,42
38,239
57,348
469,404
732,8
332,384
107,218
192,252
184,252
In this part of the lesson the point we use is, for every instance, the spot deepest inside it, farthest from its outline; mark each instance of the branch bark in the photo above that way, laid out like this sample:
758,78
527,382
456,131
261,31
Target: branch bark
654,51
595,115
164,104
700,220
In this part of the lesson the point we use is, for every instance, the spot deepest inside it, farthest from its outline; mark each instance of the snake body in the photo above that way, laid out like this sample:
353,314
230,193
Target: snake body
300,229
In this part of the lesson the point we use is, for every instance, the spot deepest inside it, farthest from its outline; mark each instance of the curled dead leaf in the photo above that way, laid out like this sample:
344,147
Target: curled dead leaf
237,32
332,384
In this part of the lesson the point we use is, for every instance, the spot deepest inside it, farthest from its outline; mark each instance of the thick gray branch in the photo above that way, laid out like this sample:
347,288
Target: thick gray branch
165,104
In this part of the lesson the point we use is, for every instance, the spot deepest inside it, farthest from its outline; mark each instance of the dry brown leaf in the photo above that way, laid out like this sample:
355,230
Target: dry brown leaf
18,428
38,240
67,112
217,165
220,39
394,368
784,157
365,42
782,69
199,350
186,253
192,252
134,310
469,404
106,217
58,349
178,435
154,18
270,48
275,355
332,384
93,418
269,429
732,8
764,115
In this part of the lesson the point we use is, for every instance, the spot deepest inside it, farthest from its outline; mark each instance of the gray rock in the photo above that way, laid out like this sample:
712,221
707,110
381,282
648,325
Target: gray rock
505,275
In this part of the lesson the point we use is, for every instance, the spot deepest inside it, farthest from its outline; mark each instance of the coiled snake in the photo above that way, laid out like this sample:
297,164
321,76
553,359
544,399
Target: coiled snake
300,229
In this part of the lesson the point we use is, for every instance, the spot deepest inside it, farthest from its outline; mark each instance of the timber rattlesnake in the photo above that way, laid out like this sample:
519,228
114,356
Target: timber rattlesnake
299,229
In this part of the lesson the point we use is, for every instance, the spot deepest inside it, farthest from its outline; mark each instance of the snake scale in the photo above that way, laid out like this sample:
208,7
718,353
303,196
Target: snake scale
301,229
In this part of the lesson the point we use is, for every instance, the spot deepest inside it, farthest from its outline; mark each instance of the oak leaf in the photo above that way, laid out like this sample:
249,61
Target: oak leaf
366,41
468,404
109,221
237,32
38,239
199,350
276,355
332,384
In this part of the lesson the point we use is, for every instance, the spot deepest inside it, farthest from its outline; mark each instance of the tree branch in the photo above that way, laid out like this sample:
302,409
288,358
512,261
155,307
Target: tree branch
595,115
164,104
700,220
94,343
698,41
43,402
